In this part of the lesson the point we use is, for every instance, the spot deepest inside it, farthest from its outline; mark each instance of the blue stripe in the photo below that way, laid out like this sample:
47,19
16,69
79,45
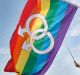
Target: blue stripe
53,28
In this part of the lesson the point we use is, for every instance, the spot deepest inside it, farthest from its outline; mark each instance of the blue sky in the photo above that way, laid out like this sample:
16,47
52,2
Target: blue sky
10,11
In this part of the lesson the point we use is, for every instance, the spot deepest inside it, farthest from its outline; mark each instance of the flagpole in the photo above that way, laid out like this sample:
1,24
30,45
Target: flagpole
76,64
72,2
70,53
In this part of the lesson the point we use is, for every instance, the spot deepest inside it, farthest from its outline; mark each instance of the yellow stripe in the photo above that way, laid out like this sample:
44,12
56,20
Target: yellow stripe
45,4
23,58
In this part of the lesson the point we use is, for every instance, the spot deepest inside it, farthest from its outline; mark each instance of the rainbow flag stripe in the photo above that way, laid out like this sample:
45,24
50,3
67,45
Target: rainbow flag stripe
58,15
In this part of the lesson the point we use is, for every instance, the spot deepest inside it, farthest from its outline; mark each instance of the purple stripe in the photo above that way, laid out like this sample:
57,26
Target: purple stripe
58,41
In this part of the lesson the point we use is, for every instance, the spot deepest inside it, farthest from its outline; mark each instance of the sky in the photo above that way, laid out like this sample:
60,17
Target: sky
10,11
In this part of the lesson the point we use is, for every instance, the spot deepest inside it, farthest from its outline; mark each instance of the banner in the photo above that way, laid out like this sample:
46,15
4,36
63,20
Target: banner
38,36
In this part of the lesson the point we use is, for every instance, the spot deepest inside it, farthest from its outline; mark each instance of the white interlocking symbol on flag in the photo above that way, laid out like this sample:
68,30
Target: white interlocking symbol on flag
33,35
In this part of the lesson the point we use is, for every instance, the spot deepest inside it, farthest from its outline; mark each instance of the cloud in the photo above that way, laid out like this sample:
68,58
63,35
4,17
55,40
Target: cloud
4,51
74,2
4,58
76,52
74,29
6,73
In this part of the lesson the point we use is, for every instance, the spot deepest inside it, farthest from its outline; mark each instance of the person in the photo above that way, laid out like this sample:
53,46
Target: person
77,64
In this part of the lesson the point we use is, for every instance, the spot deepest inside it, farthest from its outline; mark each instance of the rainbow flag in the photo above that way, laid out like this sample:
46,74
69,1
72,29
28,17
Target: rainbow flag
38,36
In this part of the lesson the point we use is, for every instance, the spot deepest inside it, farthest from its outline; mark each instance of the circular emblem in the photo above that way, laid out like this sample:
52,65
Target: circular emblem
43,32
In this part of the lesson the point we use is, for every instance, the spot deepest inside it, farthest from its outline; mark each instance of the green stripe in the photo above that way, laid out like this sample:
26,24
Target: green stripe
30,64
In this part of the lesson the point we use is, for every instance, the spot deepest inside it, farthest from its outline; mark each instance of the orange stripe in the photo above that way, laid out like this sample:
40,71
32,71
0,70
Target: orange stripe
21,40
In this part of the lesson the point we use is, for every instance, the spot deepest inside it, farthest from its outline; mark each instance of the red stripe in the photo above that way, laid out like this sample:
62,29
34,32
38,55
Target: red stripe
27,11
25,14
